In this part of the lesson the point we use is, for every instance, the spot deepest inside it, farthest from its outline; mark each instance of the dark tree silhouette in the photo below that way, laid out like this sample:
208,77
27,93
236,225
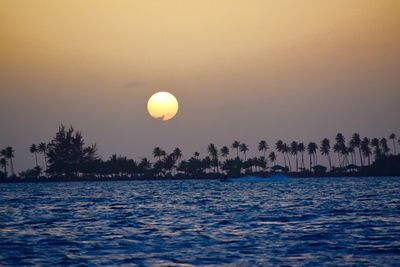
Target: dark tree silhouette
272,157
393,138
158,153
34,150
243,148
294,151
263,146
356,142
67,151
224,151
365,149
3,164
9,154
236,145
42,148
377,150
286,150
301,148
312,149
325,150
384,146
280,148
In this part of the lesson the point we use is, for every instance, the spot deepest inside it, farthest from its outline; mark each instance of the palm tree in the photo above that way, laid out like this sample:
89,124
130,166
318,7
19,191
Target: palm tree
272,157
213,151
325,150
9,154
365,149
301,148
158,153
337,150
33,149
294,151
3,164
279,148
340,148
351,150
243,148
384,146
177,153
356,142
263,146
377,149
312,149
42,148
235,145
224,151
196,155
393,138
286,150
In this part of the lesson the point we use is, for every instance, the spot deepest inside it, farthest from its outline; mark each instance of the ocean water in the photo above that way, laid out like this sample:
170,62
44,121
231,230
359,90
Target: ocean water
312,222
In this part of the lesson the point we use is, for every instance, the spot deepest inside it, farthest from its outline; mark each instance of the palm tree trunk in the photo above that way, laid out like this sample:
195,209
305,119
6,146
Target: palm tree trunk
302,160
361,158
394,147
284,158
310,162
11,166
37,164
290,165
329,160
297,163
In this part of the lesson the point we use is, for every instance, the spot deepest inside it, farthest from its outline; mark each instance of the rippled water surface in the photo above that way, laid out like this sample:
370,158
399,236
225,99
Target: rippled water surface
341,221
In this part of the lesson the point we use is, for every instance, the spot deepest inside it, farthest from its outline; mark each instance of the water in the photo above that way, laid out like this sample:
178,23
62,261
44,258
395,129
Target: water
341,221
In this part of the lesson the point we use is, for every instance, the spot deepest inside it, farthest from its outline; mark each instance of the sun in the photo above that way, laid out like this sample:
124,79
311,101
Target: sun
162,106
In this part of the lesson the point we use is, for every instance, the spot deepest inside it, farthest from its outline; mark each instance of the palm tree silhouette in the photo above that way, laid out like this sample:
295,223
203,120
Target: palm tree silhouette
393,138
3,164
243,148
224,151
365,149
377,149
340,148
33,149
325,150
158,153
384,146
235,145
213,152
272,157
294,151
279,148
9,154
42,148
356,142
351,150
177,153
301,148
263,146
286,150
312,149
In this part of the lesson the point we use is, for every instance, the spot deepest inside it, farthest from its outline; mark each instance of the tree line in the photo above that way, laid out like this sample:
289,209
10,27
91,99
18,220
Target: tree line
66,155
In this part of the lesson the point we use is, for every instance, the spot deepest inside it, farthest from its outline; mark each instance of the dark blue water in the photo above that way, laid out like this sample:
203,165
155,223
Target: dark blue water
341,221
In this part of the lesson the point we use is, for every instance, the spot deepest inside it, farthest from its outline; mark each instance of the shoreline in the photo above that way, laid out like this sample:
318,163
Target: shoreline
205,177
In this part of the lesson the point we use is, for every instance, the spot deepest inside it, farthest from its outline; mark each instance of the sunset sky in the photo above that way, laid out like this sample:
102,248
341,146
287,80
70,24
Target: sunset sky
241,70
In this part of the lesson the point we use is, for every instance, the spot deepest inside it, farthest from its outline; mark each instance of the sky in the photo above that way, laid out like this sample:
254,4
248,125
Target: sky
241,70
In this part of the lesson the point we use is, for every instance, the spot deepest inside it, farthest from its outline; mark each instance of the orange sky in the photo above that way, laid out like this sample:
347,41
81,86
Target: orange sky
241,69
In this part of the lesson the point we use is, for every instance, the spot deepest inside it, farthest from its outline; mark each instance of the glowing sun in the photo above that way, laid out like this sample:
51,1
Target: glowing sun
162,106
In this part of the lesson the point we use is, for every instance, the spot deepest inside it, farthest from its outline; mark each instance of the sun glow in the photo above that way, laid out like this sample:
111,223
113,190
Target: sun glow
162,106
